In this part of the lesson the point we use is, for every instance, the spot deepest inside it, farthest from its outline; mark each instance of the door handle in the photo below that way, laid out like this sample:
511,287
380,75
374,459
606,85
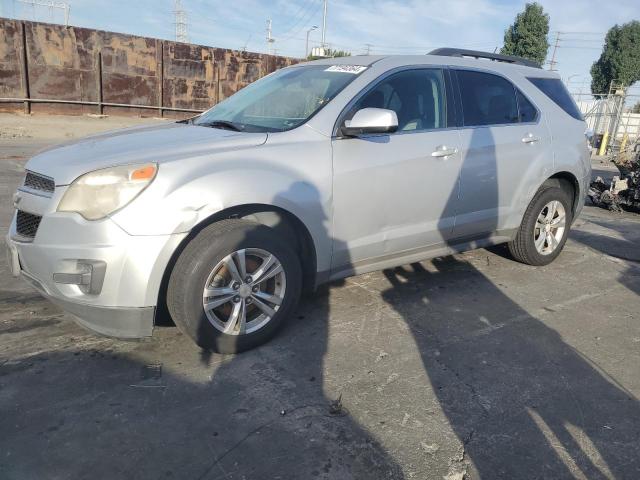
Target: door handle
529,138
444,151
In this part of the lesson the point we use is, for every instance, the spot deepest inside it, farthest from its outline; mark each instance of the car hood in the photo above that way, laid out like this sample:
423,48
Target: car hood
156,143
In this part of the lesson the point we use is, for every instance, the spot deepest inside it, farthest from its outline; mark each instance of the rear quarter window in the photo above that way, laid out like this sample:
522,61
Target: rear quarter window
556,91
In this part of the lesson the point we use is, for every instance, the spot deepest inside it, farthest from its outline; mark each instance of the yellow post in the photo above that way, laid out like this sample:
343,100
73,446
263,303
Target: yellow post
623,144
603,144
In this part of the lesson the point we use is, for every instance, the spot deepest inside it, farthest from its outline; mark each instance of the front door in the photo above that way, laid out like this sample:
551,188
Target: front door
396,193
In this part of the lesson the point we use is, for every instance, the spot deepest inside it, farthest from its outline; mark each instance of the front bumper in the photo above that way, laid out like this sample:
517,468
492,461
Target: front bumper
116,322
130,271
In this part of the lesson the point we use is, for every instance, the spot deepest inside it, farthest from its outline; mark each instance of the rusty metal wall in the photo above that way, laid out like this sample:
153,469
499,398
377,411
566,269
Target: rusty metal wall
71,63
10,59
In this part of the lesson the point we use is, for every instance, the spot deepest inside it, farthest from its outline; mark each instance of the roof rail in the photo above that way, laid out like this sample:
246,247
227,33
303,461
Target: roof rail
460,52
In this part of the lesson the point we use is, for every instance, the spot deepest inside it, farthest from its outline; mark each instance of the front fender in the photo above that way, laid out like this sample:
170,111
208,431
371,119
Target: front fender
188,192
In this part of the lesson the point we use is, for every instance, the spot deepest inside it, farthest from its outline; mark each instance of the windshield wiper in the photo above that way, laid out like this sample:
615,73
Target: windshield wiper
221,124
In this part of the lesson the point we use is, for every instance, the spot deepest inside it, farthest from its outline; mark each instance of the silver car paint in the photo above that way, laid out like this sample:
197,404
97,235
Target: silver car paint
497,156
398,187
367,202
156,143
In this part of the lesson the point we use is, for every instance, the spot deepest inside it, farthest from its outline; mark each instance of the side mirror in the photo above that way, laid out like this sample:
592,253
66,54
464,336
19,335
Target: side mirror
370,120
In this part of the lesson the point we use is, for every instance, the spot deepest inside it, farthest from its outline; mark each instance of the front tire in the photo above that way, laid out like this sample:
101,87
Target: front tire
544,228
233,286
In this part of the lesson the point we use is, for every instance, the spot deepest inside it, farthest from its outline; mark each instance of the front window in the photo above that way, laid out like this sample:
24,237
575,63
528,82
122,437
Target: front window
417,96
280,101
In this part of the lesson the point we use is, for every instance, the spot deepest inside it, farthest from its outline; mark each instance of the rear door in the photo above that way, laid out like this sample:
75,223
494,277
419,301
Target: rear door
503,141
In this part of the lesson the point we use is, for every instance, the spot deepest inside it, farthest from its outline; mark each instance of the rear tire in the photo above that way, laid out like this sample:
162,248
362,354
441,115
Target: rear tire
544,228
248,311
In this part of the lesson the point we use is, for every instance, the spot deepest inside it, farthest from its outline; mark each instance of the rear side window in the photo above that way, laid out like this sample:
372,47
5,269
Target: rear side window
528,112
486,99
556,91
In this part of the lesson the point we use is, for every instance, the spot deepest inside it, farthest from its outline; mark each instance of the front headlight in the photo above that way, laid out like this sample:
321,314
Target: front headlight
97,194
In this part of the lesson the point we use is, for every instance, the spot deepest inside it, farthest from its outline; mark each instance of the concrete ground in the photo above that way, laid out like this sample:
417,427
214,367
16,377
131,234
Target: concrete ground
470,366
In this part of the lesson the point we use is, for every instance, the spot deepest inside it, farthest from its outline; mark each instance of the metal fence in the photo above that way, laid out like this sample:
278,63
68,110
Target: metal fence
610,118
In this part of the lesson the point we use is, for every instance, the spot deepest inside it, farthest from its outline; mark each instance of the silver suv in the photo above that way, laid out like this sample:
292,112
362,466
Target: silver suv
316,172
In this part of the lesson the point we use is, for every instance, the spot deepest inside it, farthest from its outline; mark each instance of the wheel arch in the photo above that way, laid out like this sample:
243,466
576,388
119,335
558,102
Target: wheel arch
568,182
286,223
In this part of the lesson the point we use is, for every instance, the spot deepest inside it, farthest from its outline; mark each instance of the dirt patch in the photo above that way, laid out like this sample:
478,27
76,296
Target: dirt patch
55,128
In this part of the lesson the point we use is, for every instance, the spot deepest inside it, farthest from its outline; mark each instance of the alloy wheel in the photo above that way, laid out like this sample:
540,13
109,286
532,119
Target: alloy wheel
549,228
244,291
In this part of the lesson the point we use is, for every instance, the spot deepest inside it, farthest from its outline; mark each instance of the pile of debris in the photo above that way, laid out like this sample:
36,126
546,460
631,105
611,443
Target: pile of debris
624,190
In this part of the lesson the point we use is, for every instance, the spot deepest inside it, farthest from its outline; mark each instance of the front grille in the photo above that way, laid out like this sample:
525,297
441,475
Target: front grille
27,224
39,182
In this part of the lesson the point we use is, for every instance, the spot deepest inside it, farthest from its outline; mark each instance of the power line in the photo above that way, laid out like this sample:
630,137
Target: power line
553,62
303,23
587,40
564,32
300,15
246,44
50,4
579,47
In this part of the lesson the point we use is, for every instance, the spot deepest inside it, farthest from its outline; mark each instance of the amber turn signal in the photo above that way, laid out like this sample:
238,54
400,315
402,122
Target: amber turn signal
144,173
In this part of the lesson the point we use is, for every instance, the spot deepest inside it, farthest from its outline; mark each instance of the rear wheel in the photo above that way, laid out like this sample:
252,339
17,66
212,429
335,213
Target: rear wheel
544,228
233,286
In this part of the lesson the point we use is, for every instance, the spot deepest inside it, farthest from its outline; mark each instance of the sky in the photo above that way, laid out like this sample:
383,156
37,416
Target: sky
387,26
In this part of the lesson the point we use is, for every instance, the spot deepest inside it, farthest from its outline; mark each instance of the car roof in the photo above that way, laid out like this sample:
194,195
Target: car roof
363,60
386,62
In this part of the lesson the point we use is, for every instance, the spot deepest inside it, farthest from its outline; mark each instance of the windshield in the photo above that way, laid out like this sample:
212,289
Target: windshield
281,101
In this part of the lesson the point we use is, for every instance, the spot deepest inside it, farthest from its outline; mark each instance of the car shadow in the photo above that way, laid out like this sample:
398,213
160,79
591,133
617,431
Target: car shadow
624,245
305,434
162,409
523,402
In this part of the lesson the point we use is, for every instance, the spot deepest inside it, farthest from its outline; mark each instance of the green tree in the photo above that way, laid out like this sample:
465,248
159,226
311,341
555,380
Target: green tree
636,108
331,53
620,58
527,37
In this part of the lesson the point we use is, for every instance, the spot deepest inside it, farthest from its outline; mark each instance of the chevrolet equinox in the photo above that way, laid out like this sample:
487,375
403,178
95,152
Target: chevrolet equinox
315,172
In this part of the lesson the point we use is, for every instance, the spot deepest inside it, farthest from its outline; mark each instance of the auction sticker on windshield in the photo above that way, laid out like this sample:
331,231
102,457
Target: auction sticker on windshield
355,69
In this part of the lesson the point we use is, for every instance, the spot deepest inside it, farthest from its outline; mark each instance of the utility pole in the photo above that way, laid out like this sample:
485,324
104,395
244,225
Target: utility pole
306,45
324,23
368,48
270,39
553,62
182,34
